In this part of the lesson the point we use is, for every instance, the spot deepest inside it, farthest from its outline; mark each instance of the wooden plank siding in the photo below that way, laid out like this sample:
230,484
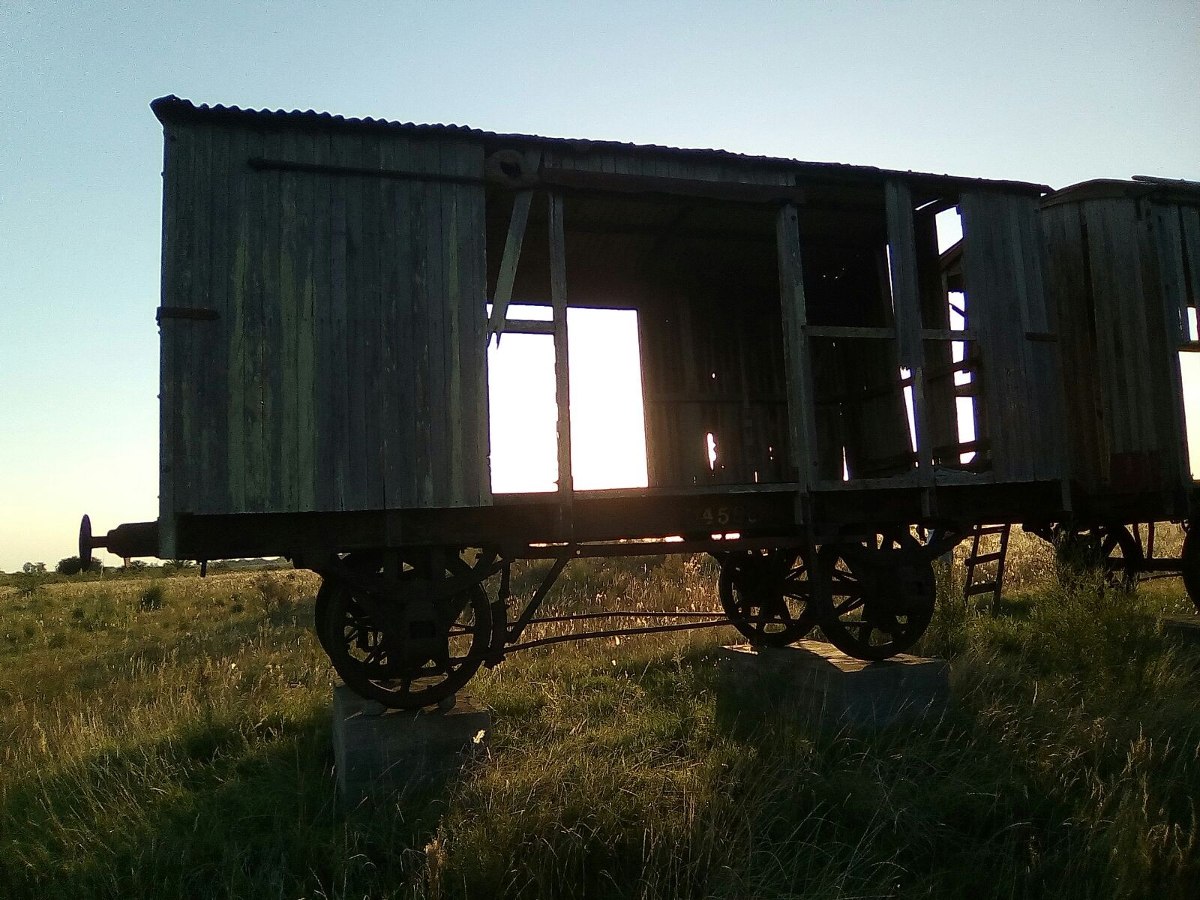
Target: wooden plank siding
1067,278
346,367
1002,252
1116,270
801,406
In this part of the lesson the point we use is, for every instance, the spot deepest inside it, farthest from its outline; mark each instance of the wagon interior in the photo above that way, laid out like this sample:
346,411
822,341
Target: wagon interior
702,278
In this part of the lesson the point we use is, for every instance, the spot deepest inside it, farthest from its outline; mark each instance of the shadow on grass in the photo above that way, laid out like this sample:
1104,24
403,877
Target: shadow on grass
221,808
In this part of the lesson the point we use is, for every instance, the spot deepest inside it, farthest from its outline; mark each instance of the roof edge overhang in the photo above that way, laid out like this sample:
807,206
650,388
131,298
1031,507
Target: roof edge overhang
1161,189
175,110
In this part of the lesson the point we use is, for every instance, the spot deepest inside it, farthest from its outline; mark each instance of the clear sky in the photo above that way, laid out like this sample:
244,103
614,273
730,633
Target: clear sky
1046,92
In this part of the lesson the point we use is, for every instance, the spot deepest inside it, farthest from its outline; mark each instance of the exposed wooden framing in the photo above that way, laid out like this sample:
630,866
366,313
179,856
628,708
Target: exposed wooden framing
926,334
905,296
669,185
796,351
508,263
850,331
528,326
931,375
562,379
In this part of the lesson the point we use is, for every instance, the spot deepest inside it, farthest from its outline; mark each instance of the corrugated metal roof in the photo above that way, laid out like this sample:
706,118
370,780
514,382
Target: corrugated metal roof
175,109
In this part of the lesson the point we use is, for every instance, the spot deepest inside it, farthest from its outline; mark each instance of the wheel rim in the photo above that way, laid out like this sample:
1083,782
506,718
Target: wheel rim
1112,548
1122,555
423,653
767,595
877,601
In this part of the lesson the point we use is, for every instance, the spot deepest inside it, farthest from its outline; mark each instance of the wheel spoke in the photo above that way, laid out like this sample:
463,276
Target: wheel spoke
765,594
861,618
855,601
370,659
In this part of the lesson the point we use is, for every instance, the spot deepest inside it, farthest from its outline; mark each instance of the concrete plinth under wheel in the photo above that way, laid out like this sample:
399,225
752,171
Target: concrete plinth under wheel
817,681
1185,627
379,751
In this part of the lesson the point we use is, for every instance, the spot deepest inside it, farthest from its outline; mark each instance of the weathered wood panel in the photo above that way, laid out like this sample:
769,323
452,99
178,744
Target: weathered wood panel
1116,269
1020,384
1067,279
345,369
177,161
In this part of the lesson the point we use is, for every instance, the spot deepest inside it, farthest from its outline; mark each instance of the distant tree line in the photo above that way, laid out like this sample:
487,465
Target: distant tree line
71,565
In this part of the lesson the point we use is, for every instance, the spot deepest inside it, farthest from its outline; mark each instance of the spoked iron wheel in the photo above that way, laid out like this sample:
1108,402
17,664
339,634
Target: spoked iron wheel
408,641
1111,547
877,597
767,595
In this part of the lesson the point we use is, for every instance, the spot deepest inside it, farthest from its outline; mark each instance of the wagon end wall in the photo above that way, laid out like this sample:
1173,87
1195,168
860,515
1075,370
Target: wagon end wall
321,327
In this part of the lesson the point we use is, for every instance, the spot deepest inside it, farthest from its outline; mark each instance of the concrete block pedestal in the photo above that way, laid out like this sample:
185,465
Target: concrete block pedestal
818,682
379,751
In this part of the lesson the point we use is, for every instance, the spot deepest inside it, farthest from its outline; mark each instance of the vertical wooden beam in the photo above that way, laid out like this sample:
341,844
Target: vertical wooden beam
801,402
902,249
562,381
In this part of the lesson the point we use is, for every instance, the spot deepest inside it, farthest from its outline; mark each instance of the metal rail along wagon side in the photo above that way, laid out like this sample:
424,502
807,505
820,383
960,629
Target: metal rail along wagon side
819,379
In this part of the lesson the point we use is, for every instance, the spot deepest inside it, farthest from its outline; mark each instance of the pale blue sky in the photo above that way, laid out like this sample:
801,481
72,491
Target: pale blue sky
1045,92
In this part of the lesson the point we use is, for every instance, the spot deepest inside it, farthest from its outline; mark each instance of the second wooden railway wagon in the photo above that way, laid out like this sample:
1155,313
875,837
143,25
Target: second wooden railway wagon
819,377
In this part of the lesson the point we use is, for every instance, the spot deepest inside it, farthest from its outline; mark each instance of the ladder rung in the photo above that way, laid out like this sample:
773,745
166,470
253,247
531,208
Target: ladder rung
984,558
984,587
992,529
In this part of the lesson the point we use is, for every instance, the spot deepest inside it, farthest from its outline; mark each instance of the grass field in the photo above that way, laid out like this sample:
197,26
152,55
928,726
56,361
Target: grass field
171,737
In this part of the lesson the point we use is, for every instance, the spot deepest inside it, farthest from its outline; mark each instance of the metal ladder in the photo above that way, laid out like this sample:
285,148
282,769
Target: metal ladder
987,583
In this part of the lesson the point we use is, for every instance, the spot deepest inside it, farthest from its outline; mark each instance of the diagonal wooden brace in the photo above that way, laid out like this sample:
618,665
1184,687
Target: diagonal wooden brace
508,264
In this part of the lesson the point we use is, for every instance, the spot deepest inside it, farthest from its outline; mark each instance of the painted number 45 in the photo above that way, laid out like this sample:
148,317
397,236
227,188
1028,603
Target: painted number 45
718,515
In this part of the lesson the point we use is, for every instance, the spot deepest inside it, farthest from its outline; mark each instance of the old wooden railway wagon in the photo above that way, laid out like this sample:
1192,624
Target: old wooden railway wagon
1123,264
824,381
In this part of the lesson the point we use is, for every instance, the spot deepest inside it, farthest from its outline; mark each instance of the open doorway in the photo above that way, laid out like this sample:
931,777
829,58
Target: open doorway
608,439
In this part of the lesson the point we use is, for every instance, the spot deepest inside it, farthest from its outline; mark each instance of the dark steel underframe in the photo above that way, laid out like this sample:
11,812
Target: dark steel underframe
367,552
766,517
